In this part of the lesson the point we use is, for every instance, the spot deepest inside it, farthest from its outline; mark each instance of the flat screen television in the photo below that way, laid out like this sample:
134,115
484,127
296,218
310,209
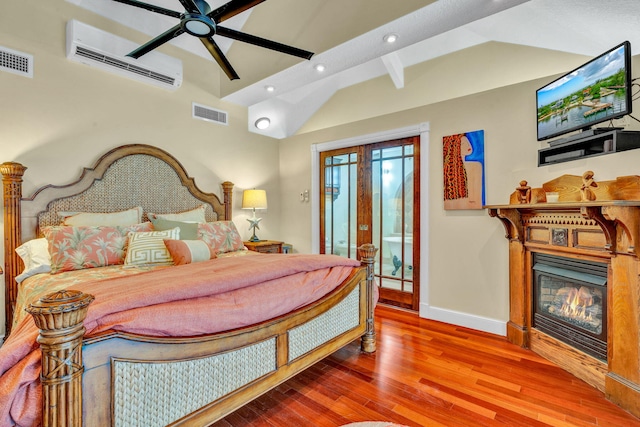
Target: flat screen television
595,92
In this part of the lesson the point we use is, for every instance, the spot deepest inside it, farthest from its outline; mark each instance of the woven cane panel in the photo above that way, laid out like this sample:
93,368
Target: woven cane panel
135,180
156,394
338,320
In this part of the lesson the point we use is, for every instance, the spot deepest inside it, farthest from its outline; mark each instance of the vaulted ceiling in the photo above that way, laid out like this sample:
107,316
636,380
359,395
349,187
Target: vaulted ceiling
347,38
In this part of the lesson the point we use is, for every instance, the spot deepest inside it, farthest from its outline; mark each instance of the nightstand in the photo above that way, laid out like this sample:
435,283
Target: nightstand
265,246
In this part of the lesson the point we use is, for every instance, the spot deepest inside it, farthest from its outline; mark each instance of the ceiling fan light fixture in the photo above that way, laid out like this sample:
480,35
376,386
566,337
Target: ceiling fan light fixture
198,25
262,123
200,21
270,88
320,68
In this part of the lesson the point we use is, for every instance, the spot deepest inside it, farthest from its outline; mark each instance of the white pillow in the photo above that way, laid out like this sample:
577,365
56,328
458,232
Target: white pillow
147,247
36,258
123,218
194,215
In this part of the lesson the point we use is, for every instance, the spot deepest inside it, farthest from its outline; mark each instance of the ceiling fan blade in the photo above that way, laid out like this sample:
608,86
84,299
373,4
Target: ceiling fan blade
259,41
217,54
158,41
190,6
231,9
151,8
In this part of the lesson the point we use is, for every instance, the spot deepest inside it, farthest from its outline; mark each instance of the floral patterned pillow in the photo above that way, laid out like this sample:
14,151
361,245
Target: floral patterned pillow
221,236
77,248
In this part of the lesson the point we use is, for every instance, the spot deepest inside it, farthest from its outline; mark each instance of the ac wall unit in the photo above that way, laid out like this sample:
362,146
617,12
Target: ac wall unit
92,46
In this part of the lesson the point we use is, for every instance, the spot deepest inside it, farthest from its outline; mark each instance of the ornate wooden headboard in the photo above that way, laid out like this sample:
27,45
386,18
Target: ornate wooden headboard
127,176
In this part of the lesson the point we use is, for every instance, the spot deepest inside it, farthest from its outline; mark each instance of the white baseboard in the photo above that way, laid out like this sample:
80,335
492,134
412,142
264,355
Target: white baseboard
485,324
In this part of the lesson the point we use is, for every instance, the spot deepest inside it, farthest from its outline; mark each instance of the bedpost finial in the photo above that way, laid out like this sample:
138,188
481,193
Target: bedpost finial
12,169
367,251
60,310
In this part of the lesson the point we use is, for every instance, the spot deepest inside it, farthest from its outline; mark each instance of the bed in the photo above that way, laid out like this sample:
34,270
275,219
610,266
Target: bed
101,356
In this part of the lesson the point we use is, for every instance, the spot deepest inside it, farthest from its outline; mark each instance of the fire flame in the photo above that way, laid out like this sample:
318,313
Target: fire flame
576,303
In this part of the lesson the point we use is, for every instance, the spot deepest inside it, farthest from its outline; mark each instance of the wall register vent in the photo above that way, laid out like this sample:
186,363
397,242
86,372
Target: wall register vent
99,49
16,62
209,114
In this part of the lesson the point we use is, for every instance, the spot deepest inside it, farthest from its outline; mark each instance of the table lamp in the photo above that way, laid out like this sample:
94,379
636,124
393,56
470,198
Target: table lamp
254,199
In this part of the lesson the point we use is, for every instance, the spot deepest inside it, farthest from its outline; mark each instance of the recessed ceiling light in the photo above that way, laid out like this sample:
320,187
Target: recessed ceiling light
320,67
269,88
263,123
390,38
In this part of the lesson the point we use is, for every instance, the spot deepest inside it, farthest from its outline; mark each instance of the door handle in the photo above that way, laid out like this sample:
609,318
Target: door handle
363,227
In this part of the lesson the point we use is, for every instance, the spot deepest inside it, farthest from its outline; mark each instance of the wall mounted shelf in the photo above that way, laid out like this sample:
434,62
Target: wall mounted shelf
594,145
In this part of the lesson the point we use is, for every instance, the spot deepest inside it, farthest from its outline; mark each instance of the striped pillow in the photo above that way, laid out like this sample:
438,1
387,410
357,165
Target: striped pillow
148,248
189,251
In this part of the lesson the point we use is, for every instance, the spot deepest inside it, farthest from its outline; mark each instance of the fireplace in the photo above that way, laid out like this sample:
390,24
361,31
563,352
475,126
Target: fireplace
570,302
574,281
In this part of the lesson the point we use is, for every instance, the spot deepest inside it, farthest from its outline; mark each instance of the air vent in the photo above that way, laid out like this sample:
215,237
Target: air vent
114,62
16,62
209,114
99,49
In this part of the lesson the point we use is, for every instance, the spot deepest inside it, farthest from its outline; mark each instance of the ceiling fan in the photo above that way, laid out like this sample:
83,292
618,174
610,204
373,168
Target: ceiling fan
200,21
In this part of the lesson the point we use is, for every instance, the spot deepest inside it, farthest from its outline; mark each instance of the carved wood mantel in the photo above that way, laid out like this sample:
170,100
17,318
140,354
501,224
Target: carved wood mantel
606,229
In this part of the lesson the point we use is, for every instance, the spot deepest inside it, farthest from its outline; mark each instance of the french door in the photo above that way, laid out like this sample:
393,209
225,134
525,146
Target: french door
371,194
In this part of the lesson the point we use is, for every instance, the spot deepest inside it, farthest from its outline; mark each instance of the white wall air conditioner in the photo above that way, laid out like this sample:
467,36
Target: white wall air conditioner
92,46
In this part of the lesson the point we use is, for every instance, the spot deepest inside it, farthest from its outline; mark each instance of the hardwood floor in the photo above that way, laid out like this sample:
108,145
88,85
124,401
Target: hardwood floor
427,373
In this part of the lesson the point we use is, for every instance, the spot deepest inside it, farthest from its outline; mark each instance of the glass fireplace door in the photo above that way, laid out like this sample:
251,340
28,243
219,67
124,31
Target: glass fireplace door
570,302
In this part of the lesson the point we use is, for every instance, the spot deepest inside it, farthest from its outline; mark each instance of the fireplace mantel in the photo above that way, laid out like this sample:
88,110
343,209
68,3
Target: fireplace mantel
601,224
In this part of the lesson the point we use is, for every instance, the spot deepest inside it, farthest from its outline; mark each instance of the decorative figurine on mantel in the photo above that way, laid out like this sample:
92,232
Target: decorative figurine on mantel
524,195
569,189
524,192
586,193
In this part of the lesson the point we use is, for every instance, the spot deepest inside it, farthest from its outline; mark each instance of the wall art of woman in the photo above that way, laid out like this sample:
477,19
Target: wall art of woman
463,167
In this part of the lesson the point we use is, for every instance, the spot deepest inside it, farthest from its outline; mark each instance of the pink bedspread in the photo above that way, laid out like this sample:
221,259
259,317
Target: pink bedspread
193,299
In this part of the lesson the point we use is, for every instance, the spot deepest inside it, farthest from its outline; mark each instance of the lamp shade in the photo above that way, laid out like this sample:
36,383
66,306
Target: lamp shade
254,199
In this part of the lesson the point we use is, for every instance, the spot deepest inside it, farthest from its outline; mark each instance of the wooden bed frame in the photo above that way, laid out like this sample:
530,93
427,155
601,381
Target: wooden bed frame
190,380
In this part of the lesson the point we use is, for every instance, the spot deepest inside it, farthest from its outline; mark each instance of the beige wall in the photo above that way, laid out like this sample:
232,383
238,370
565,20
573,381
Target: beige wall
69,114
466,281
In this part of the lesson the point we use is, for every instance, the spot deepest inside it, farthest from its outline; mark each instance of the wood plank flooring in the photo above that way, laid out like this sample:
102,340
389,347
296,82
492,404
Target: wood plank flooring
427,373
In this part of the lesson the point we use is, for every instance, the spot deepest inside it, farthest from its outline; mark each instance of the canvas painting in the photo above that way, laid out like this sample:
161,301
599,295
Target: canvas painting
463,168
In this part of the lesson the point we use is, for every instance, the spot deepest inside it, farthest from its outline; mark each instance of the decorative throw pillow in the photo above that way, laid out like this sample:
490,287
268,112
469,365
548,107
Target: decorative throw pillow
36,258
188,251
221,236
148,248
194,215
188,230
123,218
76,248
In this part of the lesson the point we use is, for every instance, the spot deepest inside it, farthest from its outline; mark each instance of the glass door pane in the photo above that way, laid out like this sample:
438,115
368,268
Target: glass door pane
392,173
340,205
